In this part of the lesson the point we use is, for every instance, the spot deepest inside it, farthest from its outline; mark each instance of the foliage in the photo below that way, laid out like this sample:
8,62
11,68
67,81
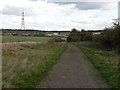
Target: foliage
56,39
105,61
86,35
76,36
110,38
25,65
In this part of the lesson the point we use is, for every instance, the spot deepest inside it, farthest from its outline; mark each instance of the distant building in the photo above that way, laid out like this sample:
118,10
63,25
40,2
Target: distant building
55,34
97,32
94,33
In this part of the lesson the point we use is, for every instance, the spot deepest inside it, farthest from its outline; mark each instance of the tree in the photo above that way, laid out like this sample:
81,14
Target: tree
86,35
74,36
110,37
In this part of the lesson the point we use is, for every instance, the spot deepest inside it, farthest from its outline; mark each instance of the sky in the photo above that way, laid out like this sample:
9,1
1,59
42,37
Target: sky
58,14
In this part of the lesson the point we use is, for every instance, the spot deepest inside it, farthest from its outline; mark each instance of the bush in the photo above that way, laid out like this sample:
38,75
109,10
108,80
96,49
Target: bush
110,38
76,36
55,39
86,35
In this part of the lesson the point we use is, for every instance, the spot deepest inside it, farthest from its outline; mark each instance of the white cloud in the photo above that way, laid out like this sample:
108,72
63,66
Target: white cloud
52,16
81,1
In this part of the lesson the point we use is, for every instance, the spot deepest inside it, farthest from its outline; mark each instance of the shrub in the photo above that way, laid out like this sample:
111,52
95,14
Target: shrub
76,36
55,39
110,38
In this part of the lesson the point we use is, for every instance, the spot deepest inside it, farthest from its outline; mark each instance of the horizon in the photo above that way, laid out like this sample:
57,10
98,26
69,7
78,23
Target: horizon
50,30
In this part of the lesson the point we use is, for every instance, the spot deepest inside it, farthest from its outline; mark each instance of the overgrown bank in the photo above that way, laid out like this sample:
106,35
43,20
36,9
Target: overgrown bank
25,65
103,60
108,37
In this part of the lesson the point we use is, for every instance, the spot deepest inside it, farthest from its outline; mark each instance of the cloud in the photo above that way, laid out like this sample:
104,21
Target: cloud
36,0
11,10
33,0
80,22
8,10
57,16
89,5
77,1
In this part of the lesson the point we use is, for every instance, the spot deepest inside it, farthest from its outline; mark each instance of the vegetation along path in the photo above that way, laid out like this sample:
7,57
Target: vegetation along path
73,70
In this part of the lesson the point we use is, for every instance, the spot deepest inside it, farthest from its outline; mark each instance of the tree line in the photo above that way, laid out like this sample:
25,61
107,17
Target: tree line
76,35
109,37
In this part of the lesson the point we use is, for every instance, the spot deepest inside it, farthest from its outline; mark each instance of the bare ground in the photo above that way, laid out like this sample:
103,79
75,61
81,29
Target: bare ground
73,70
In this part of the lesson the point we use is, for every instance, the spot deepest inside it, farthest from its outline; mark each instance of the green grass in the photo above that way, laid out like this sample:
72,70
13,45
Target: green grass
23,39
25,65
103,60
0,62
64,38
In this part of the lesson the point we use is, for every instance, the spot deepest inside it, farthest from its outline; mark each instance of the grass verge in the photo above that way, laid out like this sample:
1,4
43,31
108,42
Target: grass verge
25,65
105,61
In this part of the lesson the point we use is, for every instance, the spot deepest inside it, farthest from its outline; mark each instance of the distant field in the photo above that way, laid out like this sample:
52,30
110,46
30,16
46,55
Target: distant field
23,39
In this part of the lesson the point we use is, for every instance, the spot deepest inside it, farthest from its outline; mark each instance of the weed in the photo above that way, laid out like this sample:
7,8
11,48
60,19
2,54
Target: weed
25,68
103,60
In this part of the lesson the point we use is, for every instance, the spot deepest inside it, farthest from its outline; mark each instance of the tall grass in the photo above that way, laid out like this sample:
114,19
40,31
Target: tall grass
25,65
0,61
106,61
23,39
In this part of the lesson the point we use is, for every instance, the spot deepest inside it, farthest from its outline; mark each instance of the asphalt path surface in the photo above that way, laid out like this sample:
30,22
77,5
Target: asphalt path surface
73,70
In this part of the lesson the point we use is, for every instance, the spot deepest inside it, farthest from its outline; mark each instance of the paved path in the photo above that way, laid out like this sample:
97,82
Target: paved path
73,70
